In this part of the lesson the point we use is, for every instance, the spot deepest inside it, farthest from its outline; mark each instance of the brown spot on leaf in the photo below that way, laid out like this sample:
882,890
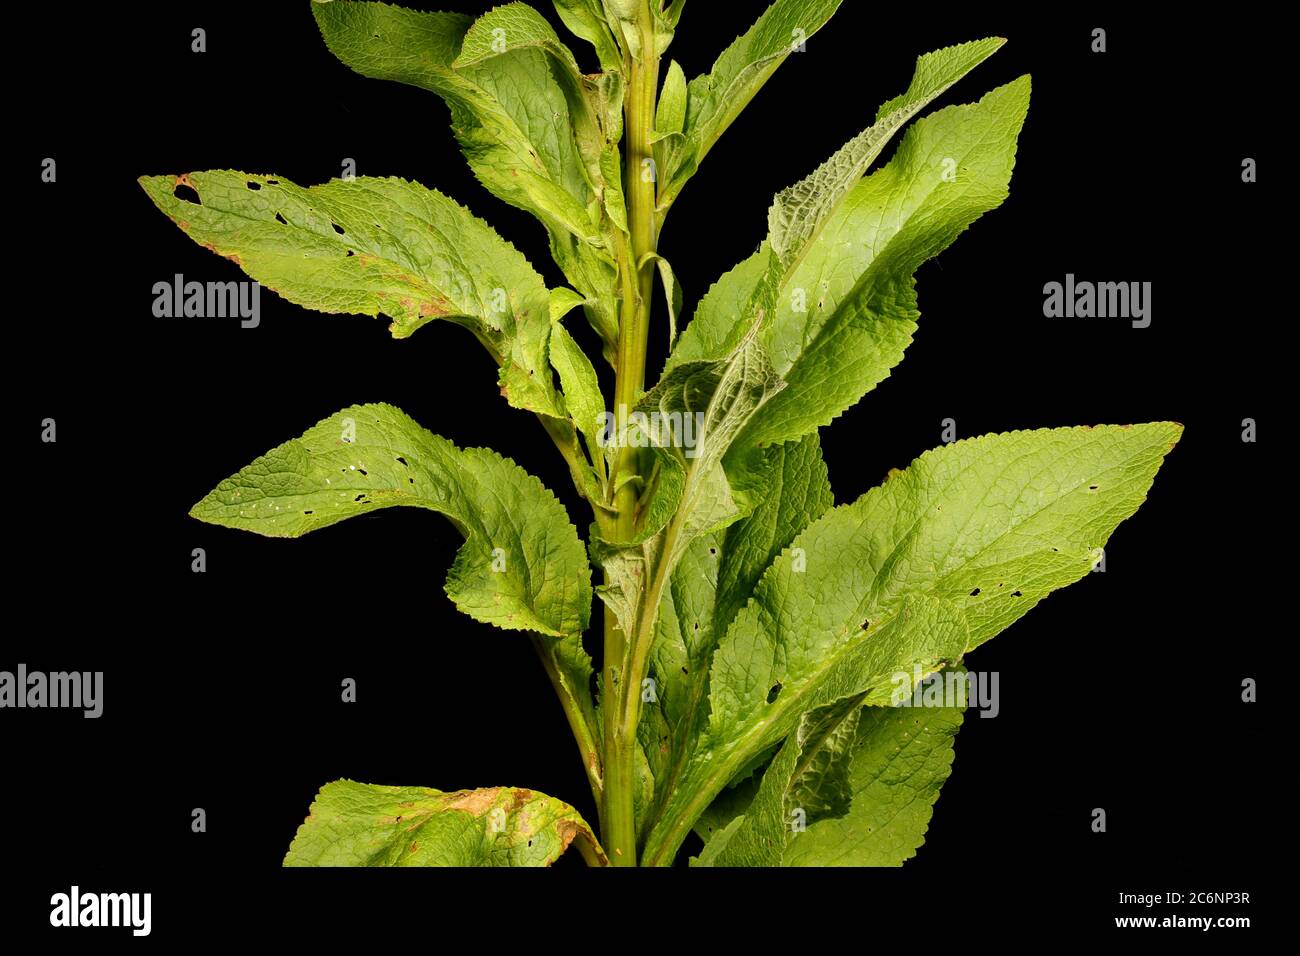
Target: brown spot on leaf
568,831
414,847
475,802
435,308
184,180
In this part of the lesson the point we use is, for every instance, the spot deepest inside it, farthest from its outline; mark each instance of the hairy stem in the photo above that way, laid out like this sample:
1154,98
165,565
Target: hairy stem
621,699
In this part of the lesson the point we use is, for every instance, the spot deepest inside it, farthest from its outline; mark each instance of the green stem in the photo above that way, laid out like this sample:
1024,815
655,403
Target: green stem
581,720
622,693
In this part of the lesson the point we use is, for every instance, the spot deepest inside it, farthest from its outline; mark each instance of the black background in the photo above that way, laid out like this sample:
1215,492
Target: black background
222,690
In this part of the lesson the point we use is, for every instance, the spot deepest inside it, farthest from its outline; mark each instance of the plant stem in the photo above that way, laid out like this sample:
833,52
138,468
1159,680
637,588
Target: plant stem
581,719
621,700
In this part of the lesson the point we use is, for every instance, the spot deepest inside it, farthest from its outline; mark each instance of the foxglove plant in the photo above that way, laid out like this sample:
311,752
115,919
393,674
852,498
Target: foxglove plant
753,630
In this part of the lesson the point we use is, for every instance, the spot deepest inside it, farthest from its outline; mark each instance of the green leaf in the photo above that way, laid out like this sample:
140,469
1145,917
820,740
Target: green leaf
731,803
715,400
808,781
563,301
884,783
665,24
368,246
621,16
683,643
714,327
715,846
858,290
512,26
692,416
612,192
670,115
707,592
586,19
509,113
917,572
901,758
501,34
790,489
672,291
713,580
357,824
715,100
767,283
799,211
579,383
695,412
670,13
522,566
594,274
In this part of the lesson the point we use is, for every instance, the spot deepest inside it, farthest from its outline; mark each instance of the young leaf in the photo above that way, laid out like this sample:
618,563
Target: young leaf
672,291
764,282
799,211
369,457
503,110
504,113
611,172
882,785
664,24
789,487
563,301
715,400
695,412
357,824
683,643
670,115
714,328
713,580
586,19
579,383
901,758
368,246
810,777
512,26
715,100
505,31
512,119
690,495
860,296
916,572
